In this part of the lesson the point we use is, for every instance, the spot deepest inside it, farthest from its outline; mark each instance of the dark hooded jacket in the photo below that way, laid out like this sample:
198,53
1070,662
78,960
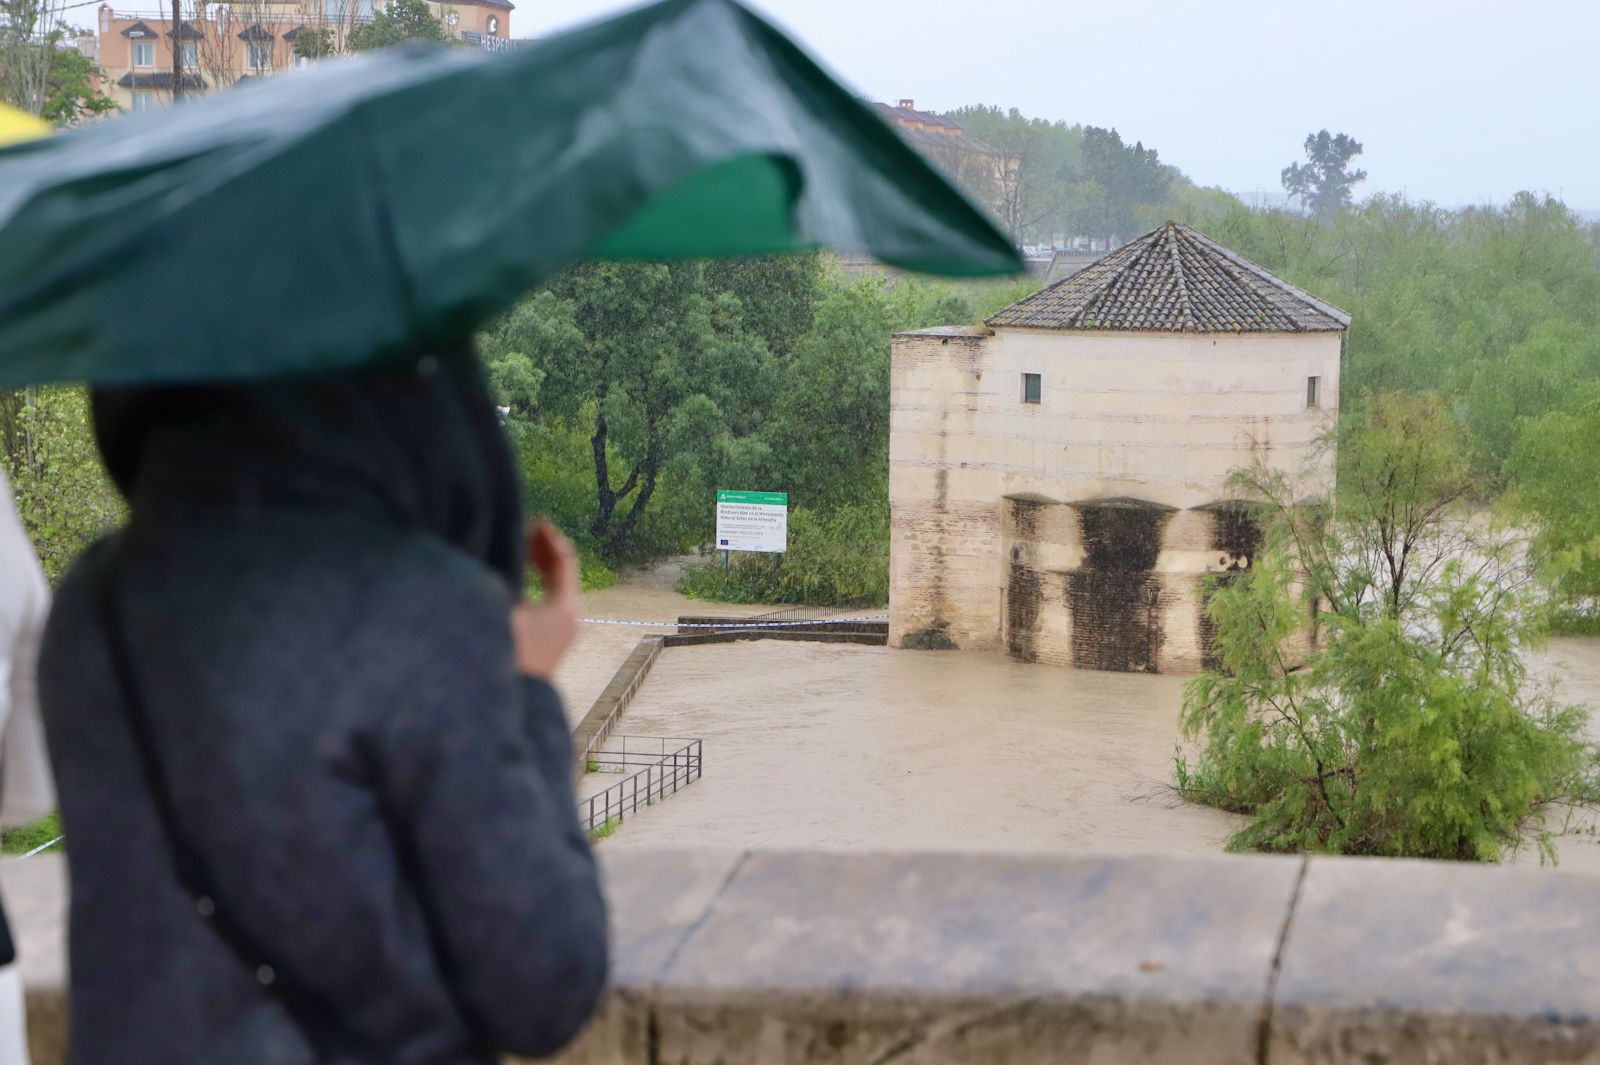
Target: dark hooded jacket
314,584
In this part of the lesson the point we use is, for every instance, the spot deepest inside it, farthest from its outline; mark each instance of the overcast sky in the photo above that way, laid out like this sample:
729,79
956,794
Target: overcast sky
1456,101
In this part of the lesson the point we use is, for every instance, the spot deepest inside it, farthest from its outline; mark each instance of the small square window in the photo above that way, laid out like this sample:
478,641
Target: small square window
190,59
1030,388
144,54
144,101
1313,391
260,57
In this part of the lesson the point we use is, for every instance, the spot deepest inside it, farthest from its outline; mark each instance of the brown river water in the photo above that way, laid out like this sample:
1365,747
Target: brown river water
845,747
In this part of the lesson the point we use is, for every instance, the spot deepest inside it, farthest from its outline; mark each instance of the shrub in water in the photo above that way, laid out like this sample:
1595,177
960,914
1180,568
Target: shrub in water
1371,695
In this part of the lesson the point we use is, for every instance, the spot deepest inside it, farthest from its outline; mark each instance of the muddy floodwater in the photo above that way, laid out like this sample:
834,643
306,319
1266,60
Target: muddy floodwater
846,747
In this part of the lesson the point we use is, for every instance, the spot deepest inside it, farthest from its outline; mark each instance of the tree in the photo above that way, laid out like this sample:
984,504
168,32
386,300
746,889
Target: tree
28,39
61,490
400,21
829,430
1039,155
1114,180
656,362
776,295
72,90
38,74
1070,181
314,43
1372,696
1555,480
1324,181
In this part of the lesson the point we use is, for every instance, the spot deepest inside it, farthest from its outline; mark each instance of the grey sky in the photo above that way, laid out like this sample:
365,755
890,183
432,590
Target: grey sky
1457,101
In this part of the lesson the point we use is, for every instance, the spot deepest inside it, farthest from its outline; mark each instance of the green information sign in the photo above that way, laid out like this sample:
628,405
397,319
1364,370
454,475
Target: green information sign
752,521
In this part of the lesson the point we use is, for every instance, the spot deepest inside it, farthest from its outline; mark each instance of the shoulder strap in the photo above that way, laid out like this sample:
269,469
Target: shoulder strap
323,1029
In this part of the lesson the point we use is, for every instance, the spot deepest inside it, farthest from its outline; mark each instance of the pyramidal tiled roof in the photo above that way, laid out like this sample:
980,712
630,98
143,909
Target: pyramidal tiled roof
1174,280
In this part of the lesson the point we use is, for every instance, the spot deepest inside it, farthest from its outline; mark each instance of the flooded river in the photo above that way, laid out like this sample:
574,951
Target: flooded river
845,747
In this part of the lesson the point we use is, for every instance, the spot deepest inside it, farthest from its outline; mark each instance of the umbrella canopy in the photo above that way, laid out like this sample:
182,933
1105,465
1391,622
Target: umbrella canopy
367,206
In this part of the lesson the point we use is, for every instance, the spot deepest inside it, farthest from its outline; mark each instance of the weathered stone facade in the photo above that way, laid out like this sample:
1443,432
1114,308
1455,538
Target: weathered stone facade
1081,529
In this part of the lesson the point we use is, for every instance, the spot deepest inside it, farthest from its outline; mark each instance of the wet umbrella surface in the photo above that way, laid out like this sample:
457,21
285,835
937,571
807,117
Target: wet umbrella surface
373,204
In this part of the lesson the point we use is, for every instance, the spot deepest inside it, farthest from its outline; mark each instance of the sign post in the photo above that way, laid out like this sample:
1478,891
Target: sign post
752,521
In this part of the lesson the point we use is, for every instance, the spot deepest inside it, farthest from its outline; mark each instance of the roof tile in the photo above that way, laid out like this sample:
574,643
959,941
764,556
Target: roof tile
1174,280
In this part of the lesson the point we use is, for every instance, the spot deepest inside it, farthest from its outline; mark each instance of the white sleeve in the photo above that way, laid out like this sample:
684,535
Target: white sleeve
27,789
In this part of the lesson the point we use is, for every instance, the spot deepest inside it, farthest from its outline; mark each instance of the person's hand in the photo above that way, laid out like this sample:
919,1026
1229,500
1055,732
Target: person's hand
542,632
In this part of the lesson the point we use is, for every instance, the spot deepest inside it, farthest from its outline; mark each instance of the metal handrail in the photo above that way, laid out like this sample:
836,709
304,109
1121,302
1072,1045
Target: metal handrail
660,778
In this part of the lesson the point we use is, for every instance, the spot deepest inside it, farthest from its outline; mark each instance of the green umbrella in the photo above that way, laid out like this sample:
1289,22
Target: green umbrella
366,206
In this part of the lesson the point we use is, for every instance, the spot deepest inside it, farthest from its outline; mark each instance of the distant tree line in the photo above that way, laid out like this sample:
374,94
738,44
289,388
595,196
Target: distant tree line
1078,180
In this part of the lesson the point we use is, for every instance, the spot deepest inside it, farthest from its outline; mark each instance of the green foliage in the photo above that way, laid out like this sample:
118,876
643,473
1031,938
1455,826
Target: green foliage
1495,308
607,830
828,434
1401,721
1323,182
838,560
1074,180
312,43
989,298
1114,181
655,364
1046,154
400,21
1555,477
775,295
24,838
594,574
39,74
61,490
72,91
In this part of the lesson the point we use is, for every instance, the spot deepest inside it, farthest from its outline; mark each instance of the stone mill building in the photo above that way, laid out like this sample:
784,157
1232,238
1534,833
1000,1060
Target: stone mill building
1058,478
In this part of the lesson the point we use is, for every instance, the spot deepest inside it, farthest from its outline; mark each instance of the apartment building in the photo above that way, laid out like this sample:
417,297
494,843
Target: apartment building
224,43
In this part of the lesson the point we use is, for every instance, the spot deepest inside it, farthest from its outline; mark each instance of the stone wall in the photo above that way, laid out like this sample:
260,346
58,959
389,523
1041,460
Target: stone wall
1156,416
813,958
1116,585
1105,502
944,528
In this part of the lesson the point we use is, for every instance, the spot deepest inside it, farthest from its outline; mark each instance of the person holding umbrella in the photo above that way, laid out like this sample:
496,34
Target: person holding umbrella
314,778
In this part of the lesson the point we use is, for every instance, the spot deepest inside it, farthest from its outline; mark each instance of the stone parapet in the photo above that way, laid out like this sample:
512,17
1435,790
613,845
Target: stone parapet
813,957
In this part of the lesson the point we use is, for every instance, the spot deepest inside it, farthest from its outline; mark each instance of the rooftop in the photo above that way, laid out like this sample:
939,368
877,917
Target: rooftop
912,125
1174,280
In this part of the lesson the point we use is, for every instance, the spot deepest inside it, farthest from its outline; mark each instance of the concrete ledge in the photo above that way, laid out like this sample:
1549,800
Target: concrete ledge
699,639
691,624
619,692
816,957
1390,961
933,958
